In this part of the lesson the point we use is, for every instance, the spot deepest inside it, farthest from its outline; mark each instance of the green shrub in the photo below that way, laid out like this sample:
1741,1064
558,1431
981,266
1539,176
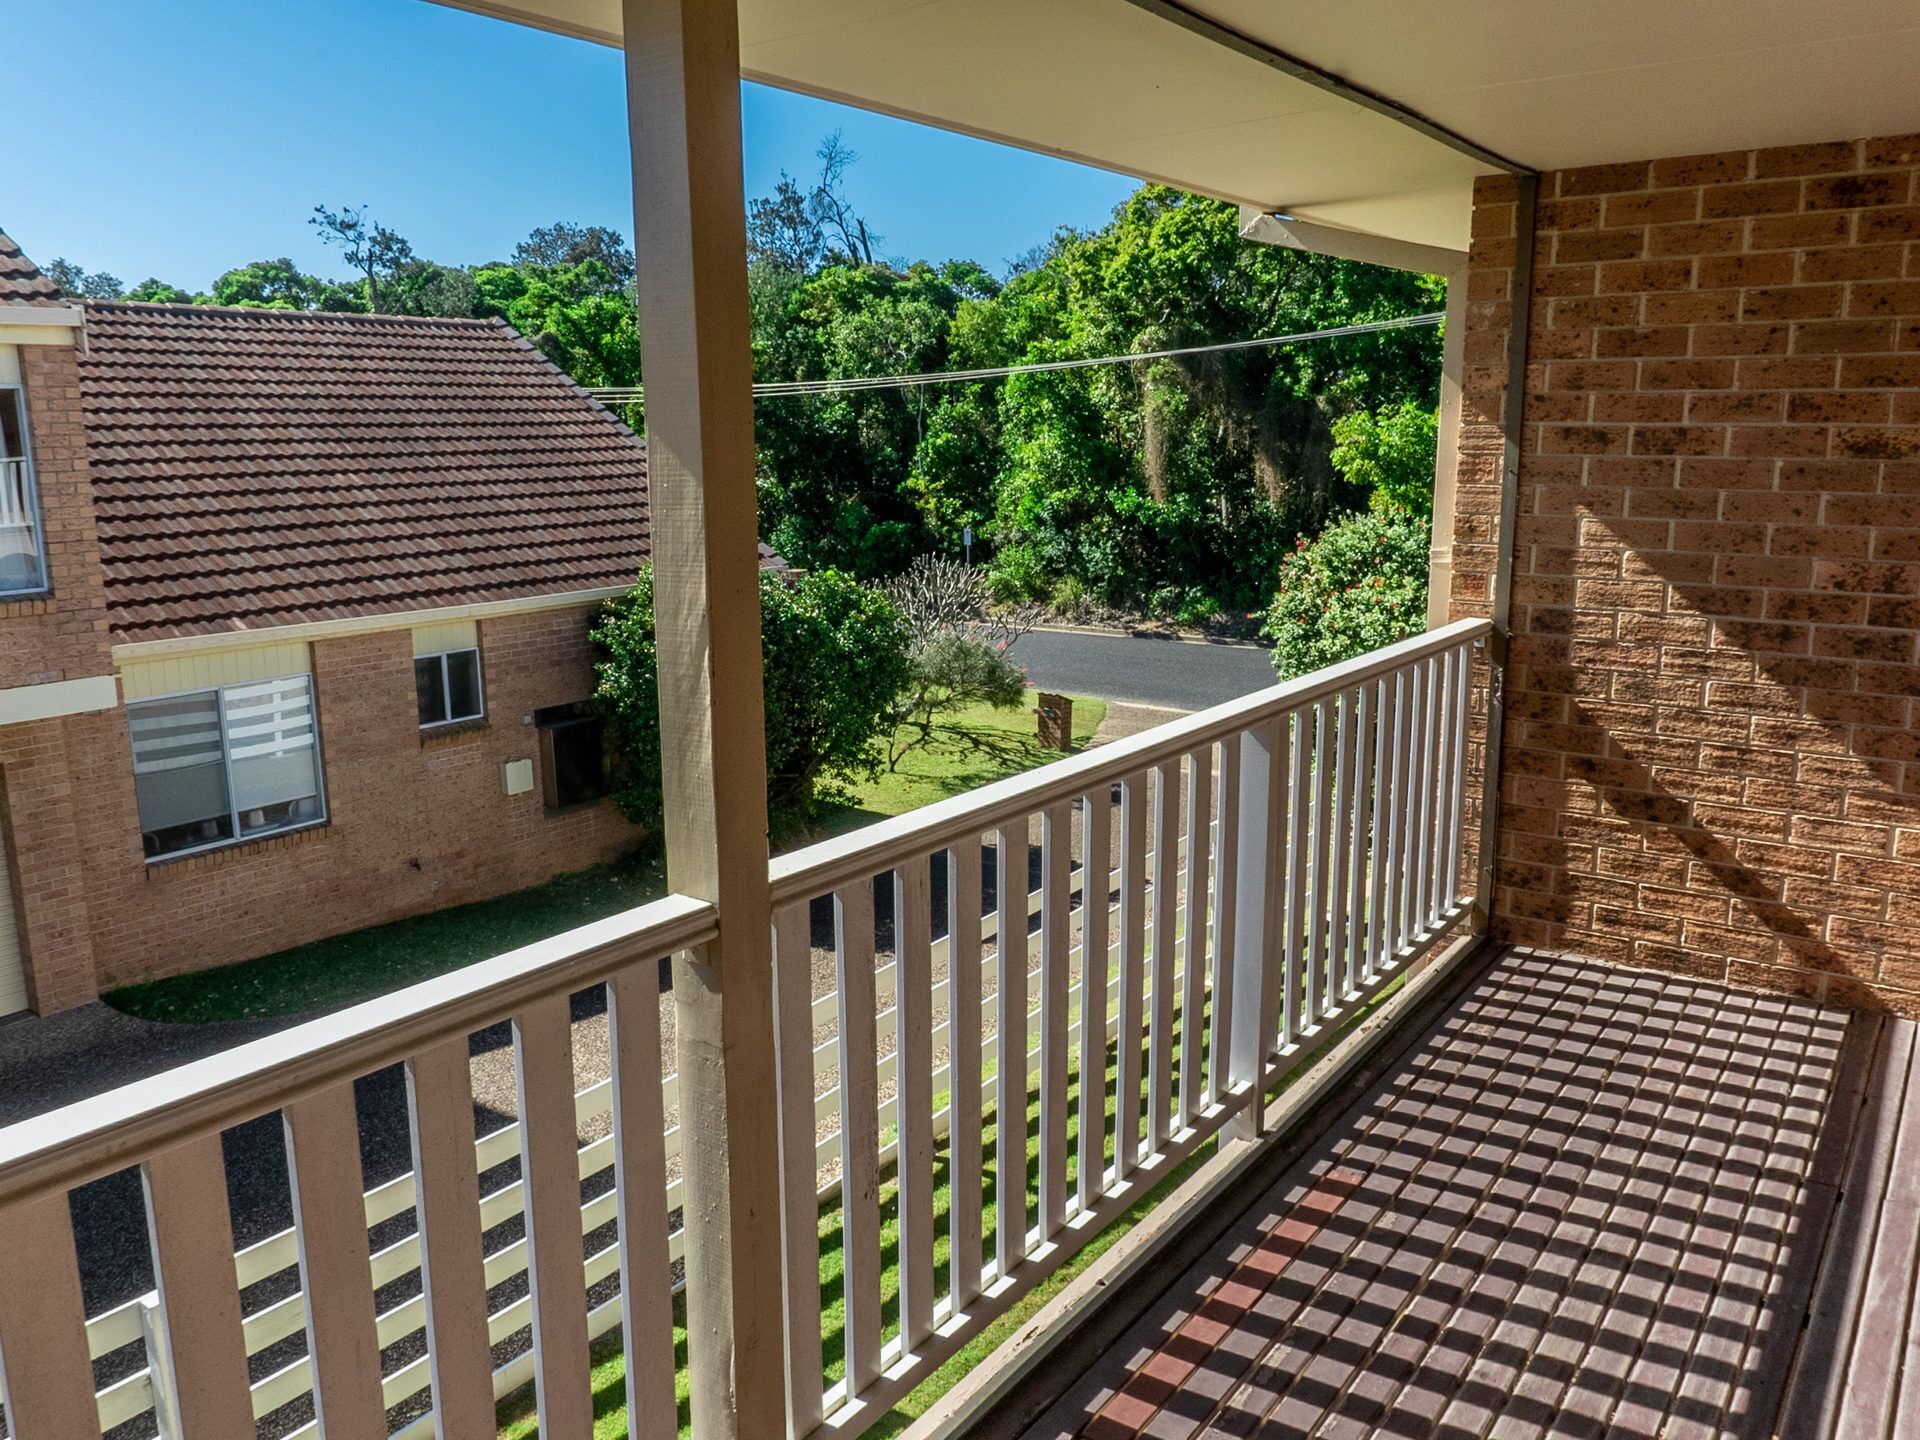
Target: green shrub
1361,585
835,660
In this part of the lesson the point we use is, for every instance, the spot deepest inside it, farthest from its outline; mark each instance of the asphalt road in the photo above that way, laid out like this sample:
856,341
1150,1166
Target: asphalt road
1142,669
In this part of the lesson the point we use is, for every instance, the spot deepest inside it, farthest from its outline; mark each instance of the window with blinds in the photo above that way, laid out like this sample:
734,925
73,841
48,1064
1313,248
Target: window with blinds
218,766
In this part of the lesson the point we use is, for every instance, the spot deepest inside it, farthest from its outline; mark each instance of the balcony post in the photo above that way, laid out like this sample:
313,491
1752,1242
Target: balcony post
683,98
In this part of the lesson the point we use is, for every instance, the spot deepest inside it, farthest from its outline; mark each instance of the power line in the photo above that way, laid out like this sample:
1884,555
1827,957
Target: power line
626,394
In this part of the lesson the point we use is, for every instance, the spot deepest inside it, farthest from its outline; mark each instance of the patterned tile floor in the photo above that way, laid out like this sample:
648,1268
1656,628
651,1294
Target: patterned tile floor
1585,1204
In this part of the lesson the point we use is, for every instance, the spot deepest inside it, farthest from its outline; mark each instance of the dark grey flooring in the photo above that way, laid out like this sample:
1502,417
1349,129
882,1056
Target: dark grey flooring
1587,1203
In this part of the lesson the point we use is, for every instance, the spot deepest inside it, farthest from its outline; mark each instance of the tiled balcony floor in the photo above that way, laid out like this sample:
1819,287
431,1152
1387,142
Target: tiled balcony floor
1587,1202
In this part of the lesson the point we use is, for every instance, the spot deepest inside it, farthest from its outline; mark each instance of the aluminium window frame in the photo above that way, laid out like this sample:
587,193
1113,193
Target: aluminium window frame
226,761
446,686
30,490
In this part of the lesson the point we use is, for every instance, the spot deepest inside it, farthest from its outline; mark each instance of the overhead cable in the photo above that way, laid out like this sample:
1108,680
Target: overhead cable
627,394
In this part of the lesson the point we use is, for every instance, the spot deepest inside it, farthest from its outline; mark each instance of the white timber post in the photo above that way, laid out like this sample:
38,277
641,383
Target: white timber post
1446,455
683,100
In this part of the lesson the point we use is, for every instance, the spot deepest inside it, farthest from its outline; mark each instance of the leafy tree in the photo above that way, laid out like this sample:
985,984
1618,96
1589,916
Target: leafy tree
1362,584
1175,485
420,287
267,285
74,281
835,656
578,317
1389,453
565,243
371,248
834,469
158,292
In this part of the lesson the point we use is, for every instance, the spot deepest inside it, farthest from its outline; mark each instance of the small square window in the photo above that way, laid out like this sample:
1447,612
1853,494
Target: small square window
447,687
573,755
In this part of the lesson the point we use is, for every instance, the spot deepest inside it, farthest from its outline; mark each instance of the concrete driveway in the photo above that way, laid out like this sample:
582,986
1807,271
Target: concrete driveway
1176,673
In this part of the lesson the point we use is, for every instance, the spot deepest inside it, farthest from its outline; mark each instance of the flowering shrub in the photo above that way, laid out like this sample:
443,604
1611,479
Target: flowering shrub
958,650
1361,585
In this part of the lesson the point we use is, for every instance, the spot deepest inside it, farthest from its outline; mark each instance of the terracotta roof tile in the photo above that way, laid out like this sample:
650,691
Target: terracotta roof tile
21,282
263,467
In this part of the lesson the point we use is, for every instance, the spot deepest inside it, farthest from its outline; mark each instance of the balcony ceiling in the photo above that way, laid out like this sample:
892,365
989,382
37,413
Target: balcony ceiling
1115,84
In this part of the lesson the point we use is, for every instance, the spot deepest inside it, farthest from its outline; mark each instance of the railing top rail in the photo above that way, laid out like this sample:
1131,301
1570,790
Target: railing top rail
107,1132
874,848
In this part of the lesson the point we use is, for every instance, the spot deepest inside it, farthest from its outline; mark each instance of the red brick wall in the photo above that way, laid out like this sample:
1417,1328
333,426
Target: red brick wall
1712,745
63,637
414,823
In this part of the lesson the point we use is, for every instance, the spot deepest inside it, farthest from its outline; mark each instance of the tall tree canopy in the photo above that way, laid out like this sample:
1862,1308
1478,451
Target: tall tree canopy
1173,486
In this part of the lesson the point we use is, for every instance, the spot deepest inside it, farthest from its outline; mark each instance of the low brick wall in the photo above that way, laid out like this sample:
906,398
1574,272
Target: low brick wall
1712,751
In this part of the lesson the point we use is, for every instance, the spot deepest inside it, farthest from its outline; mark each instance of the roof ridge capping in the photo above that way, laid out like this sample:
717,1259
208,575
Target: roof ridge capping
175,307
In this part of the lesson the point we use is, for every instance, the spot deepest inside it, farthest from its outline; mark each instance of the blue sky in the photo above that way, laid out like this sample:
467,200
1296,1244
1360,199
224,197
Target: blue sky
178,138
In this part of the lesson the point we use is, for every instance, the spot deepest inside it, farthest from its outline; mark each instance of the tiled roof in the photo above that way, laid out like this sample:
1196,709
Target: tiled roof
21,282
267,467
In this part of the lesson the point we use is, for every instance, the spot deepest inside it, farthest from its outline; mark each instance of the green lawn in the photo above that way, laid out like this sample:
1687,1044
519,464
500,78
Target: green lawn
978,746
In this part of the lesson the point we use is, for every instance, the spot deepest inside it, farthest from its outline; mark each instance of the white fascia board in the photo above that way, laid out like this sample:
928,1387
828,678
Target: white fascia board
71,317
58,697
1272,229
360,624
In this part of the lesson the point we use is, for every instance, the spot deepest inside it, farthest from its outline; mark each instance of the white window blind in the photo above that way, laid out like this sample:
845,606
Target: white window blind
219,765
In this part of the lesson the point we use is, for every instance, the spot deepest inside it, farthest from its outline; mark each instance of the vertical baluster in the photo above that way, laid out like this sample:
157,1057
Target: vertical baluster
1258,967
1010,1091
1096,867
550,1178
859,1132
1379,945
1166,918
1193,985
1363,781
1319,909
799,1169
191,1232
964,1134
859,1076
1340,896
1225,900
1462,697
446,1198
1402,783
1438,827
44,1372
913,1051
330,1224
1133,971
1056,941
1423,795
1299,871
640,1178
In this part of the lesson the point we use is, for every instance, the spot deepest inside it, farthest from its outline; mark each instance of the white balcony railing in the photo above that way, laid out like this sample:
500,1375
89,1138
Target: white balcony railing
1269,865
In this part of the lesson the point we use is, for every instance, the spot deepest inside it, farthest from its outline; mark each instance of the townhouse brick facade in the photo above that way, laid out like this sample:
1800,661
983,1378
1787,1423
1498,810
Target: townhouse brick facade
1712,740
409,817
